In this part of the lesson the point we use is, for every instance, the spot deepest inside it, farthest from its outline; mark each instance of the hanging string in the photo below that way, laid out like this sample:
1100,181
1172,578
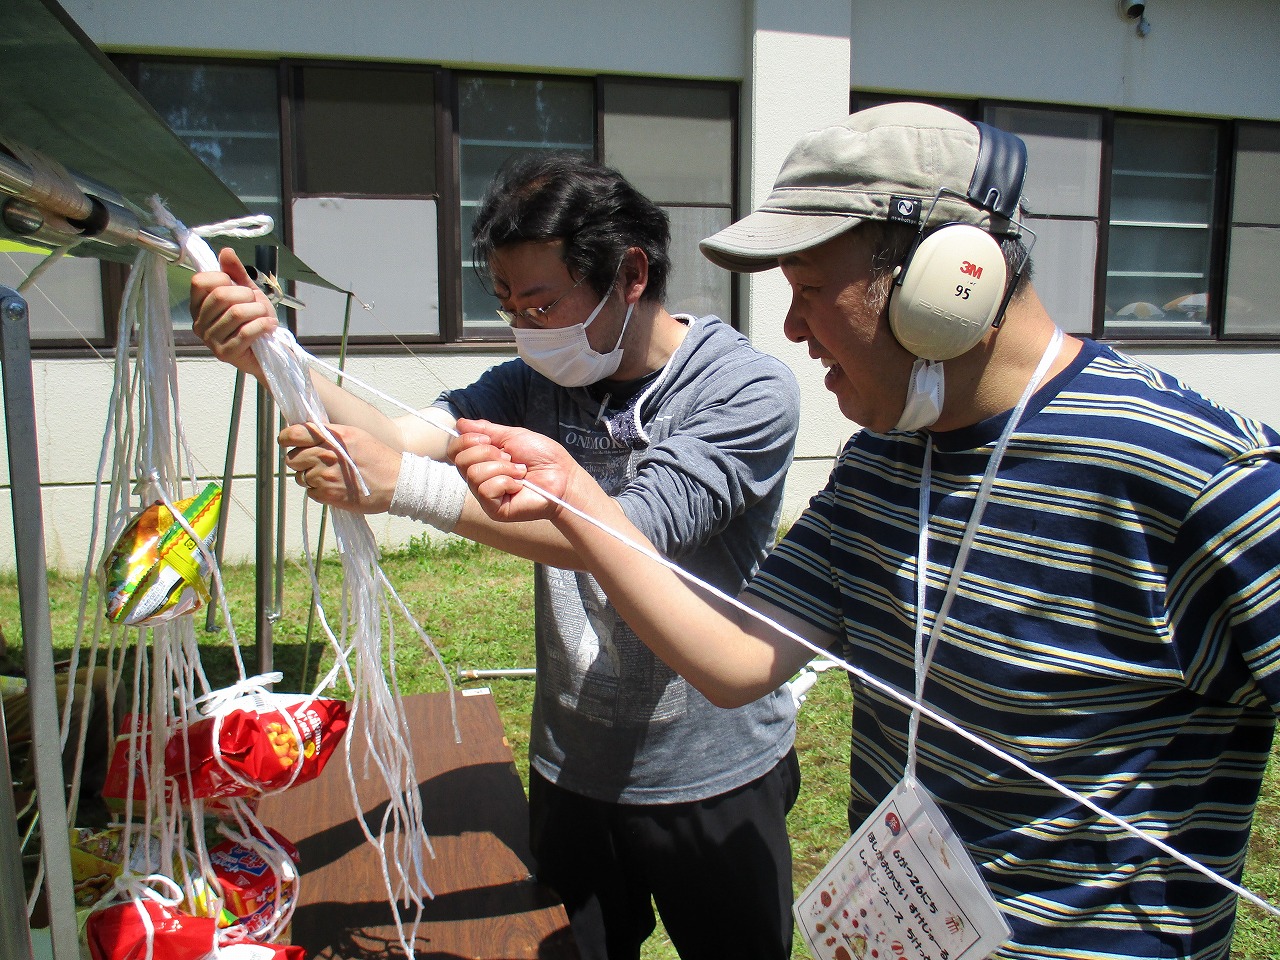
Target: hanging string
916,703
376,711
291,349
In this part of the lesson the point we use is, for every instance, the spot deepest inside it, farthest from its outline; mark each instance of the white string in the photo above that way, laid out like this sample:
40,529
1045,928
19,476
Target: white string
53,257
915,703
908,700
924,657
375,710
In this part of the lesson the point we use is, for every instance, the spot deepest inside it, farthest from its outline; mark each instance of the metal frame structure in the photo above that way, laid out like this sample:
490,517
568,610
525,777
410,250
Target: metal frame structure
37,645
79,210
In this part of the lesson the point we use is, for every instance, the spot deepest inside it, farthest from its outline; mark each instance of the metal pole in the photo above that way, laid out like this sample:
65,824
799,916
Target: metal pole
264,556
513,672
224,515
264,553
37,634
13,895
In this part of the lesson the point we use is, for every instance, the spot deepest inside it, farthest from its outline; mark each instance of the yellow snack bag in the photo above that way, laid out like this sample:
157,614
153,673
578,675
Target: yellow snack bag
156,571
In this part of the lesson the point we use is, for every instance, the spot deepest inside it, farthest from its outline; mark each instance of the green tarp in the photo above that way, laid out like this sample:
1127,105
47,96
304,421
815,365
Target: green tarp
61,96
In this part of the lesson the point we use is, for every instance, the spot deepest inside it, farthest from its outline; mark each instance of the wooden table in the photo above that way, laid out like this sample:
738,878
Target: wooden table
487,906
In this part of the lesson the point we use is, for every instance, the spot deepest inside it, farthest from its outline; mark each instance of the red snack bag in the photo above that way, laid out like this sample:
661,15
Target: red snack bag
249,883
255,744
133,742
119,933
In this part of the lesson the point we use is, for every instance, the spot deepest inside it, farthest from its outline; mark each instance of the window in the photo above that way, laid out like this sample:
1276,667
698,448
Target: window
65,305
674,142
500,117
1061,199
1254,241
228,115
1163,179
1147,228
374,172
365,205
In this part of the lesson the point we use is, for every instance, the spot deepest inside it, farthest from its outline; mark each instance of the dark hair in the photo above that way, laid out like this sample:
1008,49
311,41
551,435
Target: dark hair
587,206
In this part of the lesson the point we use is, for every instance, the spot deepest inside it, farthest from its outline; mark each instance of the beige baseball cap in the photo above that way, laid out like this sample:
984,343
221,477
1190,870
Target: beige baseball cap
885,163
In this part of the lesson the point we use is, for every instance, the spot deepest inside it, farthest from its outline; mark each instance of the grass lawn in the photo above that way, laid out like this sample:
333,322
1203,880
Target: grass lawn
477,603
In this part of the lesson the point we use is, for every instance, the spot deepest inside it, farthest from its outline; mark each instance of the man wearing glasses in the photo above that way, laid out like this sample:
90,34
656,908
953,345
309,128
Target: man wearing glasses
640,789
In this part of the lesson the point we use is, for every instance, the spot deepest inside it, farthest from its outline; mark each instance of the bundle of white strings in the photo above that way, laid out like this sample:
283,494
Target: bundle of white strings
146,455
888,689
368,600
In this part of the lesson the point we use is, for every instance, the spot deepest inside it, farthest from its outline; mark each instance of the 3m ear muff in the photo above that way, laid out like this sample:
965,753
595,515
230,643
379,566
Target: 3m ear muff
952,287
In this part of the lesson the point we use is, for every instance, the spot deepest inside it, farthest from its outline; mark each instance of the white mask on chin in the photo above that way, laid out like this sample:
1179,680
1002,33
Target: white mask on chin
925,394
565,356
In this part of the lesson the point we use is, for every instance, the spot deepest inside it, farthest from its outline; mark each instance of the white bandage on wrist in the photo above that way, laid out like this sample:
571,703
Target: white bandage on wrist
430,491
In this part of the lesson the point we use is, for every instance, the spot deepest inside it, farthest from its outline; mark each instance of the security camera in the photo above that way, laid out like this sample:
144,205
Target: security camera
1133,9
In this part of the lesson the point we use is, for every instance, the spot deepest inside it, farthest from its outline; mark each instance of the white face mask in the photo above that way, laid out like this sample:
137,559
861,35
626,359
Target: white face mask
925,394
565,355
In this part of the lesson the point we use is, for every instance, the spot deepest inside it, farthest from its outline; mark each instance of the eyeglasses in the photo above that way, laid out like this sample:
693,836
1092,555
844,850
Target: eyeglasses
535,315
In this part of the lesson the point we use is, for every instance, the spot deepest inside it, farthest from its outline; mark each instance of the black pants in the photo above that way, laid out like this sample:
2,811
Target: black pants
719,870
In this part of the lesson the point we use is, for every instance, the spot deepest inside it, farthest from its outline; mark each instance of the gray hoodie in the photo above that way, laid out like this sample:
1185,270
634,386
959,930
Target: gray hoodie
697,461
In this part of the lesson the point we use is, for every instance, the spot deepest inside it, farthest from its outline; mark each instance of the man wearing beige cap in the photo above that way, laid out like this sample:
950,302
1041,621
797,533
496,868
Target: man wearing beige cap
1071,554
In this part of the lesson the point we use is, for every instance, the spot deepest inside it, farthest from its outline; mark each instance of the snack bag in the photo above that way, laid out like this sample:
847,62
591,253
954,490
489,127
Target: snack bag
119,932
249,884
134,741
255,749
155,571
97,859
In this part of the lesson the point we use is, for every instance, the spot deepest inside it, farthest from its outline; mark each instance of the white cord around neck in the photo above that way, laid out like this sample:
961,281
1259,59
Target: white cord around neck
916,703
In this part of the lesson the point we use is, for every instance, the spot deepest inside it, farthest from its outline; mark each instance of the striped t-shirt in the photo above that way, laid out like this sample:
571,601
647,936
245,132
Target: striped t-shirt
1117,627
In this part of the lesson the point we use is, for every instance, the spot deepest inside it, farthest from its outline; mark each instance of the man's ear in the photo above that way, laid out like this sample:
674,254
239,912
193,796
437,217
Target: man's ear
634,275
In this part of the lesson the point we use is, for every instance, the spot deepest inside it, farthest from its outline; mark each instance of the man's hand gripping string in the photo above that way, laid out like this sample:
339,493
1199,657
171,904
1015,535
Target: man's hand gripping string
508,468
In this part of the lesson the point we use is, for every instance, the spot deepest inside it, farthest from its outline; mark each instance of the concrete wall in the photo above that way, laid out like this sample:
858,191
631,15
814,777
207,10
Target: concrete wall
1202,59
796,63
655,37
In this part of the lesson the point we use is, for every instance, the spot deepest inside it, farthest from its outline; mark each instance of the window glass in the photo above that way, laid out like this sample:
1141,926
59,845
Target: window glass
674,143
65,302
696,285
498,118
1255,197
1063,258
1064,155
384,251
229,117
1252,306
1060,195
1163,178
1253,287
365,131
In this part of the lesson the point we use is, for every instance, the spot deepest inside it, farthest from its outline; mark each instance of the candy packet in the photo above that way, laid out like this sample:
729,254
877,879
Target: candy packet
155,571
255,744
120,932
259,894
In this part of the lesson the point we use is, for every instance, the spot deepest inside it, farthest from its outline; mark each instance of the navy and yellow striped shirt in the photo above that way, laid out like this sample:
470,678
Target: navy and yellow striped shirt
1117,627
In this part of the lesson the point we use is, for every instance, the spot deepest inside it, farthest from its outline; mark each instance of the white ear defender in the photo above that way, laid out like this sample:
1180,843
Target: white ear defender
954,284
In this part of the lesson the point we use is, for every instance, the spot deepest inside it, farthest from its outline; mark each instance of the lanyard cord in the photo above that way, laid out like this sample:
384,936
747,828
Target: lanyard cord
923,658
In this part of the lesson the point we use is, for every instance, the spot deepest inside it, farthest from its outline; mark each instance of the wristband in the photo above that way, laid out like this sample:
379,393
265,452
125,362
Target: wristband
430,491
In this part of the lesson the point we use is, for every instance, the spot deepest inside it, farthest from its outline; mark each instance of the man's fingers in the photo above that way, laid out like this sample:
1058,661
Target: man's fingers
229,260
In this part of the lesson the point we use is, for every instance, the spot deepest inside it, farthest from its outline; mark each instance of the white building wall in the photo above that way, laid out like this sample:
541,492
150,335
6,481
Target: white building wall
654,37
796,63
1199,58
